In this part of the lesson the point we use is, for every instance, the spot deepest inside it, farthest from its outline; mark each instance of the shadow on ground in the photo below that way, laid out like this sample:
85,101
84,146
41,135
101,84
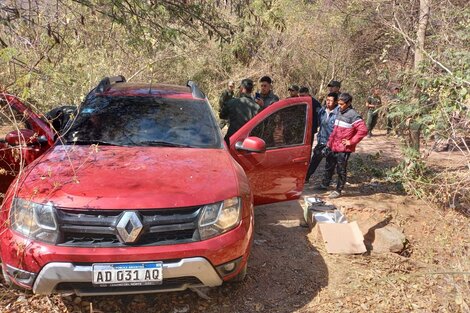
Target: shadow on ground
285,273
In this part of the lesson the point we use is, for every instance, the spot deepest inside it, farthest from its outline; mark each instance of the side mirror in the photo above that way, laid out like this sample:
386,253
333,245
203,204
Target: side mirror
22,136
251,144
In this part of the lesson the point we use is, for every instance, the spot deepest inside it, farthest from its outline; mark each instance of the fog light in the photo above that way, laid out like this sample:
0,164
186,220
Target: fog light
22,277
229,267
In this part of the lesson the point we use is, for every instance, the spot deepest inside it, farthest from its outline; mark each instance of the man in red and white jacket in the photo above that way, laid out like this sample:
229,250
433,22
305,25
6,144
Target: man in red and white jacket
348,132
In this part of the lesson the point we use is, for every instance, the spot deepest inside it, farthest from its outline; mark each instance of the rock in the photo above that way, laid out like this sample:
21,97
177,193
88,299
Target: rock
386,239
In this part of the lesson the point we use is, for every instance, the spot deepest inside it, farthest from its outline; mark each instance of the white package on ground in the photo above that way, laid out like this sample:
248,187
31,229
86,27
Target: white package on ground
330,217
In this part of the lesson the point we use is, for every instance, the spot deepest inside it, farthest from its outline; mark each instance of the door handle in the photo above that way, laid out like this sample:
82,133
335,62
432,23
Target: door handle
299,160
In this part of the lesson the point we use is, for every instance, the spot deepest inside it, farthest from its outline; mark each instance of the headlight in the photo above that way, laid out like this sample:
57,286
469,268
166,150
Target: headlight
33,220
219,217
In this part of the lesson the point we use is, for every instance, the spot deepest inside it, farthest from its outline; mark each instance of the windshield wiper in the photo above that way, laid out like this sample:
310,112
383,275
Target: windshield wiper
91,142
158,143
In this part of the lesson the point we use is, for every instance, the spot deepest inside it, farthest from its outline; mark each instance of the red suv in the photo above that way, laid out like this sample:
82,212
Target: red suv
140,193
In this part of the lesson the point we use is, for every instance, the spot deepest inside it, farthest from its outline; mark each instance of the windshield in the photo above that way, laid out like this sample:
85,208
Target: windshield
145,121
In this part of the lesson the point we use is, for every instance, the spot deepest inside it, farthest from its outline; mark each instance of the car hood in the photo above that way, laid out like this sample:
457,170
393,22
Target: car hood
110,177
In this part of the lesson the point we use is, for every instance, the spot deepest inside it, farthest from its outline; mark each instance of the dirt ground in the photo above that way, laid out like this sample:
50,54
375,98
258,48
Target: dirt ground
290,270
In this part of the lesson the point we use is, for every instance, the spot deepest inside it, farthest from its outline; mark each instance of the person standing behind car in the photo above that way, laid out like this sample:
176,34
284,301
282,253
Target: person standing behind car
240,110
226,95
266,95
293,91
333,86
327,117
373,103
304,91
393,99
349,130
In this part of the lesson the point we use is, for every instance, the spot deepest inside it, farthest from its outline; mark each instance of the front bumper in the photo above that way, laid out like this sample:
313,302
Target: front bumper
61,277
66,269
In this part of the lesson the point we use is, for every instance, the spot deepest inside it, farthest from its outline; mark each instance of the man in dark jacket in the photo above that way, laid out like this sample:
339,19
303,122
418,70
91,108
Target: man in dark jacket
348,132
326,117
304,91
266,95
240,110
225,97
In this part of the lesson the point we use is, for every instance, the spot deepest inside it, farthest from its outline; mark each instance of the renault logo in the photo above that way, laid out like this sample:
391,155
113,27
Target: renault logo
129,227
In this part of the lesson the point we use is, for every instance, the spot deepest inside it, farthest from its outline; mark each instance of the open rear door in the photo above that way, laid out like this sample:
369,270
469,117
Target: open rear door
24,136
278,173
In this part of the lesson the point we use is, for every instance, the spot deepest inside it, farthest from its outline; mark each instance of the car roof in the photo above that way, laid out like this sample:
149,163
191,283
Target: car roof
149,89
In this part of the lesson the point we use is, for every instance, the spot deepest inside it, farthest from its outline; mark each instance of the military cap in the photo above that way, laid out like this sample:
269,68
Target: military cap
334,83
293,88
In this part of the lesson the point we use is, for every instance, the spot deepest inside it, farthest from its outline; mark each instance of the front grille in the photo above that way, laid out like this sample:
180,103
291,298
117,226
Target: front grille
97,228
167,284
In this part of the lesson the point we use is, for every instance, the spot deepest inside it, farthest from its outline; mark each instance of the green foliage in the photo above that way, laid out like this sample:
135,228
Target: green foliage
8,54
439,104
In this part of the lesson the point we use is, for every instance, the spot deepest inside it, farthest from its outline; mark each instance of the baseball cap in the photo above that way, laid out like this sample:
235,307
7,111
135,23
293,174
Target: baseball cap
304,89
293,88
334,83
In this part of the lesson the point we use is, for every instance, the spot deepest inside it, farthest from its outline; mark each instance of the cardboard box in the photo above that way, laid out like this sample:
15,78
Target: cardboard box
342,238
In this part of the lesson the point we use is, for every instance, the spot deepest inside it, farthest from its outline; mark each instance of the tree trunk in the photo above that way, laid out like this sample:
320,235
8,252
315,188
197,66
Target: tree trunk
424,9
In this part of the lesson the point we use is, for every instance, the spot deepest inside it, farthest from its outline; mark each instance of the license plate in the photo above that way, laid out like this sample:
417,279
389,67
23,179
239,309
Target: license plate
128,274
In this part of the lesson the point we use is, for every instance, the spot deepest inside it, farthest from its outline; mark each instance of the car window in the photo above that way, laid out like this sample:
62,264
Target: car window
10,119
283,128
145,121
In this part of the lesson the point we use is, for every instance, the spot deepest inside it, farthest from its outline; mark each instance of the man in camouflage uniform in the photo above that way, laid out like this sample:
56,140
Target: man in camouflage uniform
293,91
333,86
225,97
391,101
372,104
240,110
